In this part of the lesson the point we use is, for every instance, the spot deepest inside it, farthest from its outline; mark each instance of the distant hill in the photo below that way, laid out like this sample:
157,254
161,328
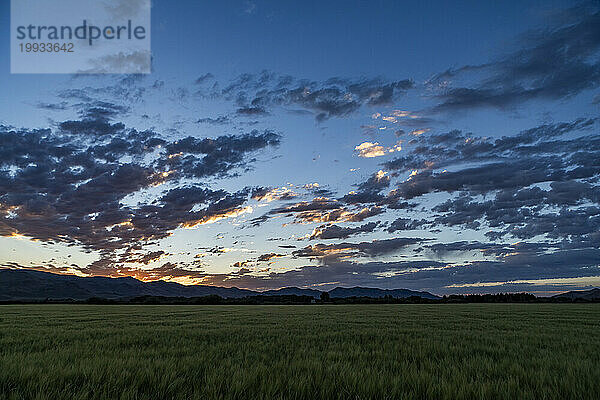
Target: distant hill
593,294
26,285
293,291
374,292
20,284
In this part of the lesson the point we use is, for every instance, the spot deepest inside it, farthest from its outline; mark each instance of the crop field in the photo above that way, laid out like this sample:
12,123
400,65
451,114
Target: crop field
441,351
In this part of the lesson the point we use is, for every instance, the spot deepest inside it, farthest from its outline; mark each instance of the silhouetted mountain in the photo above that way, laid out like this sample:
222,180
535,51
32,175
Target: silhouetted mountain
593,294
25,284
20,284
293,291
375,293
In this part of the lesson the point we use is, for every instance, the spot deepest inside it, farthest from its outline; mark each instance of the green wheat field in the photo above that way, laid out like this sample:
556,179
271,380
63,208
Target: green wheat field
441,351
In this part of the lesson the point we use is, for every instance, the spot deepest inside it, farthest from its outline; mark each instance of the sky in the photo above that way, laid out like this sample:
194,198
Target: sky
453,148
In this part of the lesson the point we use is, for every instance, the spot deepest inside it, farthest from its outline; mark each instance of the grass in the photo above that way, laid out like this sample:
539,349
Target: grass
469,351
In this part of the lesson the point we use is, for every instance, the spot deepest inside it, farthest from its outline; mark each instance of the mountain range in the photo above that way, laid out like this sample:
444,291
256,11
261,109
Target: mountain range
19,284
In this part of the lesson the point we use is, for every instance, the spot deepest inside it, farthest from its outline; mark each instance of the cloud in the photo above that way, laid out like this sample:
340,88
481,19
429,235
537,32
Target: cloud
376,183
325,277
166,271
322,209
193,157
204,78
327,253
250,111
335,97
369,150
129,89
338,232
69,185
454,147
95,118
539,183
93,127
272,194
60,106
145,258
268,257
552,63
369,190
221,120
405,224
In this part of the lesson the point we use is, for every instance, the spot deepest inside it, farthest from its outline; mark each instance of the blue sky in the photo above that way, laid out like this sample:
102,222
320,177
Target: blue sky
424,145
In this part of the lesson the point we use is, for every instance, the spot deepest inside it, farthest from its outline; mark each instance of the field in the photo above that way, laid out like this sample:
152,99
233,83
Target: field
447,351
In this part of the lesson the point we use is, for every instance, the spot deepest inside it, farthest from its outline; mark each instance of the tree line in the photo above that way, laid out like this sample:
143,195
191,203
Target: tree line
325,298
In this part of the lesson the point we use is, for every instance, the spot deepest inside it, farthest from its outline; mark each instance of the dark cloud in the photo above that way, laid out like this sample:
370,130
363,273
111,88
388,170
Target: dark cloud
204,78
95,119
336,97
252,111
369,190
442,150
405,224
65,186
523,213
101,110
268,257
534,156
551,63
193,157
562,155
540,183
144,258
221,120
130,88
91,127
61,106
269,194
322,209
338,232
327,253
166,271
375,184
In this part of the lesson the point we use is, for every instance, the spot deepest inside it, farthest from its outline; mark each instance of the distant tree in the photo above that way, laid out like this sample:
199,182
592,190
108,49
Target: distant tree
325,296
